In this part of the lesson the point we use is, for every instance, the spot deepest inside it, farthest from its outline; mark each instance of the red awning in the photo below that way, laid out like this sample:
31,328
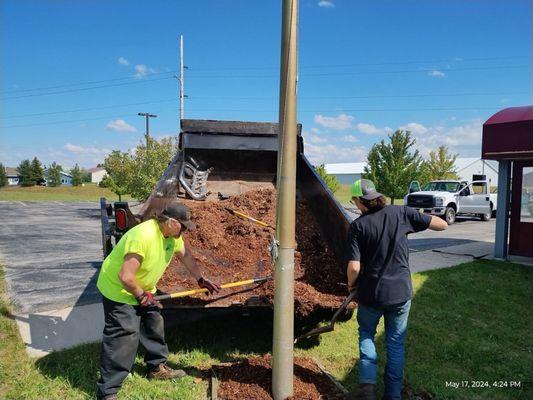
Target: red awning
508,135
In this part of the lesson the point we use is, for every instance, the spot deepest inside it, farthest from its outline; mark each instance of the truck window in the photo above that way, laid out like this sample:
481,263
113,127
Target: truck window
479,187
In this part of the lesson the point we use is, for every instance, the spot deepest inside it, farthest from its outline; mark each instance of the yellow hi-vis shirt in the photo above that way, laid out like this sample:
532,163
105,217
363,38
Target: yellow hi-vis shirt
156,251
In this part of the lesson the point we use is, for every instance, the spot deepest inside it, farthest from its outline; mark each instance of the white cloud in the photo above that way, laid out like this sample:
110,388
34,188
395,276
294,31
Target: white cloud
123,61
369,129
73,148
120,125
436,73
414,127
338,123
350,138
462,139
324,153
142,70
326,4
314,136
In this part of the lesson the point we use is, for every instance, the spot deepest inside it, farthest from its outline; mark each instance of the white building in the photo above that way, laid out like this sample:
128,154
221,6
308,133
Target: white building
97,174
13,177
348,173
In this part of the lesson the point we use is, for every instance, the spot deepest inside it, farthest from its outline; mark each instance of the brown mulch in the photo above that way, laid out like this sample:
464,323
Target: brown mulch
252,379
229,249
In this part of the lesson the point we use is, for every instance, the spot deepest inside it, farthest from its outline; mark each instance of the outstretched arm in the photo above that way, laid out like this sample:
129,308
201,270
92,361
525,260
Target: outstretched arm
190,263
437,224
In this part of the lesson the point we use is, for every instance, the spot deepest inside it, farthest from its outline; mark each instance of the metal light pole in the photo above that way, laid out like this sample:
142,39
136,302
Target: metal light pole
283,341
181,80
148,116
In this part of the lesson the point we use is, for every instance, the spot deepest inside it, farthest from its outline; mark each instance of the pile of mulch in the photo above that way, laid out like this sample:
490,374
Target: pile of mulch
229,249
252,379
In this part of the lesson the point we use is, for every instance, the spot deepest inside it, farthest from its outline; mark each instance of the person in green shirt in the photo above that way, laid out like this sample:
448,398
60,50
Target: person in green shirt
127,281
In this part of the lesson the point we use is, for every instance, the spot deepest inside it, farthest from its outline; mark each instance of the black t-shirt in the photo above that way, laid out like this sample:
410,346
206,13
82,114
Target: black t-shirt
379,241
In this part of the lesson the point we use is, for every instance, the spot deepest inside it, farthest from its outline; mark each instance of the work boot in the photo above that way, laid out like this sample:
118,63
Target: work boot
366,391
109,397
164,372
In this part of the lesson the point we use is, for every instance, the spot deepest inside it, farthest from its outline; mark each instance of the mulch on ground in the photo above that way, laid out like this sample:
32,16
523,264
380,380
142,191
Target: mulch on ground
252,379
229,249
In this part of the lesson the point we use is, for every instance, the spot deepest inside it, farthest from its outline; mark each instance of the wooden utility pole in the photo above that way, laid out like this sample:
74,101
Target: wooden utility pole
147,133
283,335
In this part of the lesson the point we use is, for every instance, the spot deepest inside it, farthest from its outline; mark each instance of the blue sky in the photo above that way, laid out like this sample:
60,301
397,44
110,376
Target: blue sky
75,74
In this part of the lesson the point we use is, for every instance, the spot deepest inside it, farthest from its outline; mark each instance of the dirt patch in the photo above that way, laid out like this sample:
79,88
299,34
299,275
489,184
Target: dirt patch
252,379
230,249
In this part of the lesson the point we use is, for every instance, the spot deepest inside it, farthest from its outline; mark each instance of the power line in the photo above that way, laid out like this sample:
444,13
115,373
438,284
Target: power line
84,89
88,109
273,111
378,96
367,72
443,60
82,83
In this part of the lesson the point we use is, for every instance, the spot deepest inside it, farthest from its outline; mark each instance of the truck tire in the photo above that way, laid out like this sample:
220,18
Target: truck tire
449,215
486,216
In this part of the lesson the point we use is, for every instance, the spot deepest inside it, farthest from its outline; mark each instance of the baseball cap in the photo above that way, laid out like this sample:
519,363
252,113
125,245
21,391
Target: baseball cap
364,188
181,212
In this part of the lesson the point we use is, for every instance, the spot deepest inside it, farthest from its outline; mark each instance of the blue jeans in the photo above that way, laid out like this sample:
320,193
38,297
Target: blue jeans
395,329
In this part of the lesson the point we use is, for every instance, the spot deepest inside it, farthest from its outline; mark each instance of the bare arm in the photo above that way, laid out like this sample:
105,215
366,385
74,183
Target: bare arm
353,272
190,263
437,224
131,264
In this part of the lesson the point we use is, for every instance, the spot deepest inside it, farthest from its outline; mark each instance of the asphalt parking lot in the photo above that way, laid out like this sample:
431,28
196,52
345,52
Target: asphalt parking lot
51,251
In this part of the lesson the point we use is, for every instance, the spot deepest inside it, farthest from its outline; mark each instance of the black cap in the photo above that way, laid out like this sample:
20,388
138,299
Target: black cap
181,212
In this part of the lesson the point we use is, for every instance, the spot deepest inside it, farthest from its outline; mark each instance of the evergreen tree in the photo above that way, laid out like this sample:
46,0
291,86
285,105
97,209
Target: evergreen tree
26,174
392,166
77,176
37,171
54,174
3,175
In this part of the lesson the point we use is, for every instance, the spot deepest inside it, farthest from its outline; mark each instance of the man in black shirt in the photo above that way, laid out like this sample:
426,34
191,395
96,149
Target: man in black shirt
378,268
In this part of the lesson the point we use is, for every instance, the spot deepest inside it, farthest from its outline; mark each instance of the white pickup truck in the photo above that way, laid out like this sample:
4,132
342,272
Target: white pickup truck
448,198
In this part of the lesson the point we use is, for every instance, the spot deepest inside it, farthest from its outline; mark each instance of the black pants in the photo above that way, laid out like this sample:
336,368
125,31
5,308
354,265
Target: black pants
125,325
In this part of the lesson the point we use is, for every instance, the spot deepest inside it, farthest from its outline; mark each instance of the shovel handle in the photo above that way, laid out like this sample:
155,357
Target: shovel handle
204,290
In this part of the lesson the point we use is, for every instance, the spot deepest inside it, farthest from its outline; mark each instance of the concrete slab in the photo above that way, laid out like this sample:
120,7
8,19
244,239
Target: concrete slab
48,331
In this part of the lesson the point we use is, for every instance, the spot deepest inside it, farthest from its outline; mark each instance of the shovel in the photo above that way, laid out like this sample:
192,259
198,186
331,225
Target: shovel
331,326
204,290
245,217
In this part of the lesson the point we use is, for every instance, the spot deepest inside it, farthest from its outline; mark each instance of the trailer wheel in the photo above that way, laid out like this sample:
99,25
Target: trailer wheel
449,215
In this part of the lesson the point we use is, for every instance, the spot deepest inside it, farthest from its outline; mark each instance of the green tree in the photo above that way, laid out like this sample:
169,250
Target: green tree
85,176
439,165
37,171
54,174
392,166
119,170
3,175
331,180
26,174
149,163
76,175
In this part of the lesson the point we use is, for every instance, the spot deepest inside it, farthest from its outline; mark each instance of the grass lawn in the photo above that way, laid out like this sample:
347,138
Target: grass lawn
89,192
468,323
343,196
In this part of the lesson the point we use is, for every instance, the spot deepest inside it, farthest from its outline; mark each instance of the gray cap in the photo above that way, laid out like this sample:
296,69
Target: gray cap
181,212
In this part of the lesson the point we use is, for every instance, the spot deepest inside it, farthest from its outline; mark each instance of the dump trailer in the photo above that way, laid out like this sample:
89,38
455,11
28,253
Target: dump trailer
219,159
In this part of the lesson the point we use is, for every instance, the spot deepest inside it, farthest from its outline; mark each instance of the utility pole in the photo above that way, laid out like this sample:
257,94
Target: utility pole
181,80
283,335
148,116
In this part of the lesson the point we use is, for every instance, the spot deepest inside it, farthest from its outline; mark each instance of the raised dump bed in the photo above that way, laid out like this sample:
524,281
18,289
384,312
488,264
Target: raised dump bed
240,161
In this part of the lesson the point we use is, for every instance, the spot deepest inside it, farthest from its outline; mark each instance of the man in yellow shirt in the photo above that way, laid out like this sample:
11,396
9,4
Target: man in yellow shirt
127,281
